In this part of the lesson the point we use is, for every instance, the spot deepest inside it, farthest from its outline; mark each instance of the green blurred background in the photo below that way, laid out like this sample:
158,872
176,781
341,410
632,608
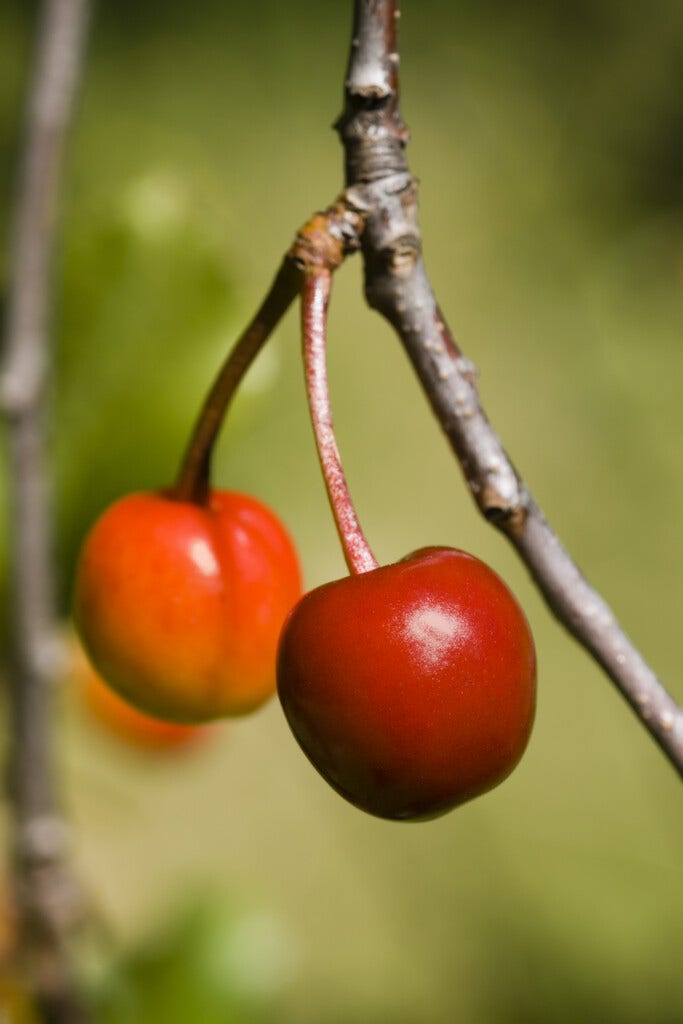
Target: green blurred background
232,884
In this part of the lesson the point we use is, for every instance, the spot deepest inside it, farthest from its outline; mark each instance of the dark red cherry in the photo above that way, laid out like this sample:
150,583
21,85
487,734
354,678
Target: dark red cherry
411,687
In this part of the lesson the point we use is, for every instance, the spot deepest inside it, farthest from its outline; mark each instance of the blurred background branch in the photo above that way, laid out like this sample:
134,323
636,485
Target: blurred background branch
44,892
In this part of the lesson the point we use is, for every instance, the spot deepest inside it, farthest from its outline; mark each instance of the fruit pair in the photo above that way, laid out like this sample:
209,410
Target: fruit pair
411,687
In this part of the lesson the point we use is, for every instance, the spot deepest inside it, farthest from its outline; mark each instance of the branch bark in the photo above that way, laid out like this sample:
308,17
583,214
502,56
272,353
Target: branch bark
46,896
380,189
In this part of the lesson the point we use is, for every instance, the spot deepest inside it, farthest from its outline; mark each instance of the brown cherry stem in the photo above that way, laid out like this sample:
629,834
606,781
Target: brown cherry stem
192,483
315,297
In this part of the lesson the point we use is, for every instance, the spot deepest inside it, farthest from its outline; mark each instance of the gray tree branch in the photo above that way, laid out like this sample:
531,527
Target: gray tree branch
381,189
46,896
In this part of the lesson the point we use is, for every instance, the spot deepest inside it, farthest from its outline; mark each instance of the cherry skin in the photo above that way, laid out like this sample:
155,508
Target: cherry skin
119,718
410,687
133,727
179,605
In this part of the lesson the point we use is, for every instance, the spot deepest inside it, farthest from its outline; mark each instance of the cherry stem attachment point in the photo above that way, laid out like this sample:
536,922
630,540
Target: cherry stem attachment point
315,296
192,483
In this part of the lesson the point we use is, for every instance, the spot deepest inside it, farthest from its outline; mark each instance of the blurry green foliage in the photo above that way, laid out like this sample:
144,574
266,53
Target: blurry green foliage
209,964
147,307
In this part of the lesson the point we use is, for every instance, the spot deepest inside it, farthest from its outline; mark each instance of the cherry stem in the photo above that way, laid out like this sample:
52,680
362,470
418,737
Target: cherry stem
315,296
192,483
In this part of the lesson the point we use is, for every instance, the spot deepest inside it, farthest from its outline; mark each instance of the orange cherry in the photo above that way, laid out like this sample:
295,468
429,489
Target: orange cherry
123,720
180,604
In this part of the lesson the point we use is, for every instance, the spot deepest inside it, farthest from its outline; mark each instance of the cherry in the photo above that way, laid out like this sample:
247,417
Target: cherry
180,605
122,720
410,687
180,595
134,727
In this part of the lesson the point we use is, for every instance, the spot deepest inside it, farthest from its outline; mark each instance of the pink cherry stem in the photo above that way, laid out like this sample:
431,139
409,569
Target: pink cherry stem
315,296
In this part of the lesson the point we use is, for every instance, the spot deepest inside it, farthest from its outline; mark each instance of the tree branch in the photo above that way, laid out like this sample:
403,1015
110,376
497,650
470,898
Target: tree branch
47,899
381,190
